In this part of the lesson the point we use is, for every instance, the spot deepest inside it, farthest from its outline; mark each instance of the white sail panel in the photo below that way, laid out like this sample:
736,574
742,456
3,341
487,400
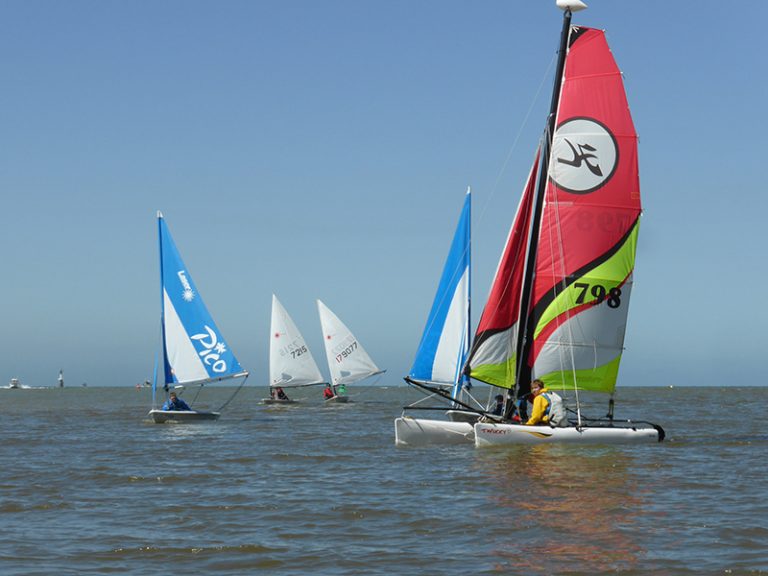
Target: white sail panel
453,344
186,364
348,362
290,360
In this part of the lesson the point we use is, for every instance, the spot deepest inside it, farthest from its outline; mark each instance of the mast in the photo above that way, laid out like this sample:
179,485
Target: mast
525,332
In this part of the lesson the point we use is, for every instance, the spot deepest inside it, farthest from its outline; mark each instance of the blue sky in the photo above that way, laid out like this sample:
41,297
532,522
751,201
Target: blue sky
322,150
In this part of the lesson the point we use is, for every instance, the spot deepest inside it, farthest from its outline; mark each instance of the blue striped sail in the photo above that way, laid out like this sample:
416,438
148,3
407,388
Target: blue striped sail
194,349
445,342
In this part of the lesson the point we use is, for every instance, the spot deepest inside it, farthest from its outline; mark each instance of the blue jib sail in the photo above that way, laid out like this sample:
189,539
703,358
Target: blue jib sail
193,347
445,342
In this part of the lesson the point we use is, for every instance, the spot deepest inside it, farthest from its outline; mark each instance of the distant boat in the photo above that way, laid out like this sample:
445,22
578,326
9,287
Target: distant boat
61,379
291,364
348,362
14,384
194,352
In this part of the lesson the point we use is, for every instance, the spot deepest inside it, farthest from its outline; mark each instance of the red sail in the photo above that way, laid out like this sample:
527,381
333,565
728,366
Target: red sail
586,244
492,358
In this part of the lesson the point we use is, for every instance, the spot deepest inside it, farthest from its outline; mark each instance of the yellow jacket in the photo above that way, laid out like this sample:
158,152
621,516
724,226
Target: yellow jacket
540,405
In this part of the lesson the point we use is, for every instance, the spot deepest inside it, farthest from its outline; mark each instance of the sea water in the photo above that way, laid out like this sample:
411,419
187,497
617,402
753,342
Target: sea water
88,485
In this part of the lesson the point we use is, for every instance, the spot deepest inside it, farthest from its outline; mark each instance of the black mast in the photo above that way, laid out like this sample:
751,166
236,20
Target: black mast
525,326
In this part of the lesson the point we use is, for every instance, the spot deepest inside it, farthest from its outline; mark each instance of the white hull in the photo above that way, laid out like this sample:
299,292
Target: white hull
423,432
161,416
277,401
337,400
489,434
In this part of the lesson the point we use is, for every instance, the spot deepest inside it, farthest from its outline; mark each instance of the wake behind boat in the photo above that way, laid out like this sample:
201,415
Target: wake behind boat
194,352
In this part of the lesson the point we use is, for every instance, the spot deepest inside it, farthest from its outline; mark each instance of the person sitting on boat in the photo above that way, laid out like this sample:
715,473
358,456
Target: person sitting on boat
498,407
328,392
175,403
280,395
341,390
548,407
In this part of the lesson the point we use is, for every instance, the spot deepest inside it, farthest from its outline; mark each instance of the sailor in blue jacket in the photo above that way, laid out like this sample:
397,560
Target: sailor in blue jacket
175,403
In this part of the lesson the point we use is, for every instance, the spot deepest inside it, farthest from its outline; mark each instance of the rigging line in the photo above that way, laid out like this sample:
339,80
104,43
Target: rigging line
513,148
561,285
221,408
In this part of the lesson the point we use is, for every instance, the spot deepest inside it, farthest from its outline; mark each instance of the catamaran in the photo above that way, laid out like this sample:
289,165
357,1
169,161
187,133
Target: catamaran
439,365
194,352
560,317
291,363
348,362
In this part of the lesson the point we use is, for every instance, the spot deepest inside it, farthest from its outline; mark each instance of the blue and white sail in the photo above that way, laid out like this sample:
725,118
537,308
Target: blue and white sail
194,350
445,342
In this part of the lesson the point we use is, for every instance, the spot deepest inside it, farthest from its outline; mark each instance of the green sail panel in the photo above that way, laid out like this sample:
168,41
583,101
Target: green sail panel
579,337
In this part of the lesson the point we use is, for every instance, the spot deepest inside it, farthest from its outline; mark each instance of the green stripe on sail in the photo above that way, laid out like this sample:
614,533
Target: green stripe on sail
501,375
607,275
599,379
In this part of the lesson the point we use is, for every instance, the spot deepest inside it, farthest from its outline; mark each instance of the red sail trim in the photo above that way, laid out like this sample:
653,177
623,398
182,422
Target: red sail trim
502,309
592,198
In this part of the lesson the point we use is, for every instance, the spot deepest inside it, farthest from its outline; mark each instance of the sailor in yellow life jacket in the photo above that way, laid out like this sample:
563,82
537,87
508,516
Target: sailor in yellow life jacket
548,407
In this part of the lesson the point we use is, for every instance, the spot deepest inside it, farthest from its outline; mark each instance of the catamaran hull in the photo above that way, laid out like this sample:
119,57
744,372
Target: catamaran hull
422,432
162,416
489,434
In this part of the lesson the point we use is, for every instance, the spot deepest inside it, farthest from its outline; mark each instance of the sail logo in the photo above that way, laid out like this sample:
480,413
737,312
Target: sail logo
584,155
212,350
188,294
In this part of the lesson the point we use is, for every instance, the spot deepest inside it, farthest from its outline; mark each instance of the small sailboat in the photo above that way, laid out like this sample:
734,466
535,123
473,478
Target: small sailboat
558,312
442,353
61,379
194,352
291,364
348,362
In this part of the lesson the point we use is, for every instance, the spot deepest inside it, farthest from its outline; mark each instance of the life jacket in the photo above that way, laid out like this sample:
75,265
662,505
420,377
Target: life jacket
555,410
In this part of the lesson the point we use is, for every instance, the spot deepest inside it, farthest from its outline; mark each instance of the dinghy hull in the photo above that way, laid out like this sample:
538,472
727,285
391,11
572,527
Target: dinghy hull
423,432
337,400
489,434
162,416
277,401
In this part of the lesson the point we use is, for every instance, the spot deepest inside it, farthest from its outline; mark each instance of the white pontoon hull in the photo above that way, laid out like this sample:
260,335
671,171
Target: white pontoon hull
161,416
489,434
423,432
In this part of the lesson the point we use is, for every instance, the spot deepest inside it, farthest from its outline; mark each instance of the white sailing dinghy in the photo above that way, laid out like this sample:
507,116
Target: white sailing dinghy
348,362
442,353
291,363
561,317
193,349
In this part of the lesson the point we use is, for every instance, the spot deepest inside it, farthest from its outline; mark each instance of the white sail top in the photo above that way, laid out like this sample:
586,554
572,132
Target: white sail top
290,361
348,362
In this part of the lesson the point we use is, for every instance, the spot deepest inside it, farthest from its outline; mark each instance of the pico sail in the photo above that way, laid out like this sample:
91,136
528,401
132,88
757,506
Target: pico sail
439,364
561,316
348,362
194,352
290,361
